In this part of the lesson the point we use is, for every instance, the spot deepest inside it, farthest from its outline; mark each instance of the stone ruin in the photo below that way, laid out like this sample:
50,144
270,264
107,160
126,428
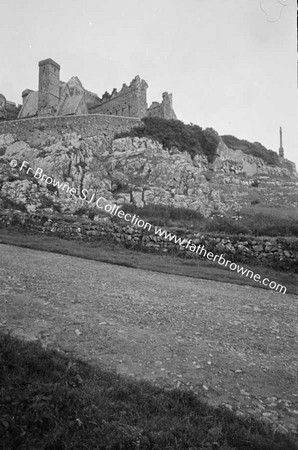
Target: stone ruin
58,98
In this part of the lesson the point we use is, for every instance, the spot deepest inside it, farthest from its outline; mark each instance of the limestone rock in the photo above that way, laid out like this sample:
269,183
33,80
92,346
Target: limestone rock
123,170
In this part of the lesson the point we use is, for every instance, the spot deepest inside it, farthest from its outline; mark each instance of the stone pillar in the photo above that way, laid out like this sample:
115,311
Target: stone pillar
281,149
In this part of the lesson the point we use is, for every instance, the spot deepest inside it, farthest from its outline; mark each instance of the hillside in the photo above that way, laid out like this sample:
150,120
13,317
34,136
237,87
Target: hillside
255,149
182,166
196,141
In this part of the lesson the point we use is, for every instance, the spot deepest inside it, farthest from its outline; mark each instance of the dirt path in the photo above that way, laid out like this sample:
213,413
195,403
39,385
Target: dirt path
233,344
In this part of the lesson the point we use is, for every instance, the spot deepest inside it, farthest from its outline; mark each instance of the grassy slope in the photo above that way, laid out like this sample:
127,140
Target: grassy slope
48,401
116,254
257,220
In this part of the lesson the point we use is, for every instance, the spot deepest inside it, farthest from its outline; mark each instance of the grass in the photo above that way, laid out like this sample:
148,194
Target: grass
50,401
117,254
256,220
271,211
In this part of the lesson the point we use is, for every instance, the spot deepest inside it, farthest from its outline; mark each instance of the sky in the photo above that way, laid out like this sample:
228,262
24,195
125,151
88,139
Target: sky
230,64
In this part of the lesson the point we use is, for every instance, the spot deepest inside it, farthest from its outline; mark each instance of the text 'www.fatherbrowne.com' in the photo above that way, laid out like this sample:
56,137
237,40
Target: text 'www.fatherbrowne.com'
188,244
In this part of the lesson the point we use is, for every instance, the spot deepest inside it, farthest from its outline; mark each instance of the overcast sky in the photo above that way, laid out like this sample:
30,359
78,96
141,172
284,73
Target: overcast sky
230,64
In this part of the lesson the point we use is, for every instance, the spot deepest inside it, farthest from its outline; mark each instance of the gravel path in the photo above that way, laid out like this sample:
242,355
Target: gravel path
234,345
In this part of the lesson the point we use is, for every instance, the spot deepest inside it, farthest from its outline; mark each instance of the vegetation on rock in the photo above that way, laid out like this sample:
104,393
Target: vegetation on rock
194,140
174,133
254,149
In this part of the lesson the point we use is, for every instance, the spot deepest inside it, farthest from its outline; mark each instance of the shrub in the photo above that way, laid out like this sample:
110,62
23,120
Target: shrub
174,133
254,149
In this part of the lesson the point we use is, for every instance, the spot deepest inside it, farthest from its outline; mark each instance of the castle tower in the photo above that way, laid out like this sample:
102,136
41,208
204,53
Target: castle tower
167,106
139,97
48,87
281,149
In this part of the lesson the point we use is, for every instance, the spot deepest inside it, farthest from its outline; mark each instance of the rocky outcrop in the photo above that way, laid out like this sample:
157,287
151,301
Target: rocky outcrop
151,174
236,162
129,170
125,170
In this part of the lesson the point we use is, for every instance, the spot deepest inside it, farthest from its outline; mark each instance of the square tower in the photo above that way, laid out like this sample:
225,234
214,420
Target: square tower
48,87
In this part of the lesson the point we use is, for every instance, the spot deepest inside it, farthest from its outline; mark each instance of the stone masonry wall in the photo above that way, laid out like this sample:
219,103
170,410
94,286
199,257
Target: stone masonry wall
163,109
85,125
279,253
130,101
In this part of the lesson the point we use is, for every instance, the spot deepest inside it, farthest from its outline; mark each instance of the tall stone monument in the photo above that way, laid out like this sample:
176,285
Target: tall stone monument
281,149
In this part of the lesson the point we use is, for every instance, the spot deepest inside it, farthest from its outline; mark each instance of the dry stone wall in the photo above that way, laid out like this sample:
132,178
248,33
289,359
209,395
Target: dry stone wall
280,253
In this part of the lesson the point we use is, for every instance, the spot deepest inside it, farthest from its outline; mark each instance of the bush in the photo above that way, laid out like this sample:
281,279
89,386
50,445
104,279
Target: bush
174,133
194,140
254,149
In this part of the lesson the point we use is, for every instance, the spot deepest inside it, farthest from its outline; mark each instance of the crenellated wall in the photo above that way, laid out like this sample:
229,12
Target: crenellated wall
130,101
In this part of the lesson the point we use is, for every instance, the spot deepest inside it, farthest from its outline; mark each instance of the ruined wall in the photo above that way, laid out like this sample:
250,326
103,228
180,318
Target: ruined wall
163,109
85,125
12,111
8,110
51,98
129,102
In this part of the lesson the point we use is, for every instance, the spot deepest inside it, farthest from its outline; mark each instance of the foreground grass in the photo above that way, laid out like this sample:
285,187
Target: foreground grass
116,254
48,401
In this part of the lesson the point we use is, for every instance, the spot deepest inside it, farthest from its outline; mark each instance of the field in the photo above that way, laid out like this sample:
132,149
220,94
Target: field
225,343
